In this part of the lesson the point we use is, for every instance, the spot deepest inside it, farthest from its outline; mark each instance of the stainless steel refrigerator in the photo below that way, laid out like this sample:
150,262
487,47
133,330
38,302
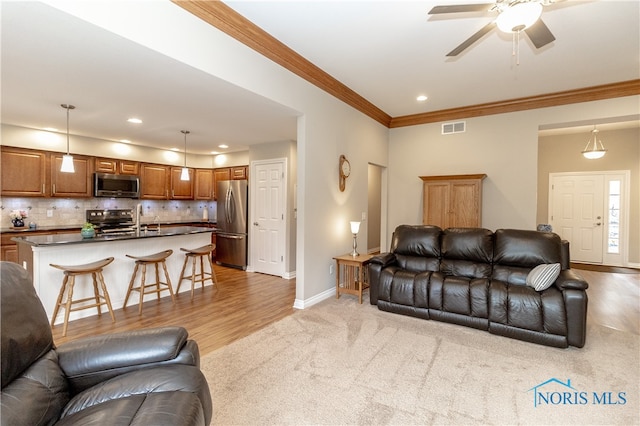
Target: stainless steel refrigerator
231,235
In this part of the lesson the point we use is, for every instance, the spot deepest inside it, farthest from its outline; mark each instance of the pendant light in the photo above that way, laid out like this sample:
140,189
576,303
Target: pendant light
597,151
67,160
185,172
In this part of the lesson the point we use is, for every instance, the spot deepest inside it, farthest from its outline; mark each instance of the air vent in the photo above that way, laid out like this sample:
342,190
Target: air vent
457,127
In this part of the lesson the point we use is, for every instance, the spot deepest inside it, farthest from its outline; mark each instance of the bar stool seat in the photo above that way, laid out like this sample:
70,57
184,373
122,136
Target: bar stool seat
198,254
70,273
155,259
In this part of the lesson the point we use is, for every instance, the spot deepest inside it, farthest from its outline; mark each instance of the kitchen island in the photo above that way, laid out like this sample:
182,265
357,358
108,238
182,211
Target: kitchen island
36,253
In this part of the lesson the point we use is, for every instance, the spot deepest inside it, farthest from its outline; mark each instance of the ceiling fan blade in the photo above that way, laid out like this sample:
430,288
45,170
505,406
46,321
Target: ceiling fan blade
468,42
539,34
458,8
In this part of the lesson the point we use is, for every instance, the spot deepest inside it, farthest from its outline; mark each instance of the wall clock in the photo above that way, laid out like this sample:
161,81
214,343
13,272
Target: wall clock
344,169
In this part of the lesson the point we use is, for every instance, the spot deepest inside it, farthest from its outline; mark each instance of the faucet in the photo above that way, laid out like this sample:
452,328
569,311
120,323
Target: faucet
138,214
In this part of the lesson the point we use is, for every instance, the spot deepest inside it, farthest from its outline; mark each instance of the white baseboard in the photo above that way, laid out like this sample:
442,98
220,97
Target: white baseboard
307,303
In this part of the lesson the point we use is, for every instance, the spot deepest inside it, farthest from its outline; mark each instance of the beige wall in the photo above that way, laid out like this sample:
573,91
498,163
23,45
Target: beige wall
504,146
562,153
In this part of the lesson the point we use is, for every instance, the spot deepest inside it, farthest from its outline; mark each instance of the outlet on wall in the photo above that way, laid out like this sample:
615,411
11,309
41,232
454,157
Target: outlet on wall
331,269
49,213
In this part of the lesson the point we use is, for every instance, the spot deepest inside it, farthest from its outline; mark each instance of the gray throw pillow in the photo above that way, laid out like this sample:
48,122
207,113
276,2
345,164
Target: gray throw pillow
542,276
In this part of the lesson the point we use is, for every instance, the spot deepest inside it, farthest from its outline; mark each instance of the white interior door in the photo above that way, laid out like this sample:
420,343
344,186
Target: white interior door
577,213
267,228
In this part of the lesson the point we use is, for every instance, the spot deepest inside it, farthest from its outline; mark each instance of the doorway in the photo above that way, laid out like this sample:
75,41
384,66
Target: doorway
268,201
591,211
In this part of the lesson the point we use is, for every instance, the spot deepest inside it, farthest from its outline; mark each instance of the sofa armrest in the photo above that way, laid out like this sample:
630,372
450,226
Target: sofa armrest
88,361
375,267
570,280
384,259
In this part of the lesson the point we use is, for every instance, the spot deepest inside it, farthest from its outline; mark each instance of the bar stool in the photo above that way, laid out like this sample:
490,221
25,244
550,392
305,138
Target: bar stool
195,254
155,260
70,272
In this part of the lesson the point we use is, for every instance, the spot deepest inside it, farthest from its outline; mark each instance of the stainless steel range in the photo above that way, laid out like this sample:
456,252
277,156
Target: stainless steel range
112,222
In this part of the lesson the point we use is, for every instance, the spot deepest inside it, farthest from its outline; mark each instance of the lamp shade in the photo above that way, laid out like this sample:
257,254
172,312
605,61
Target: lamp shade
355,227
67,164
518,17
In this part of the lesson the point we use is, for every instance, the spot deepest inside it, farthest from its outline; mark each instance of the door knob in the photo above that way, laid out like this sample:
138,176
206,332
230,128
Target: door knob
255,224
598,224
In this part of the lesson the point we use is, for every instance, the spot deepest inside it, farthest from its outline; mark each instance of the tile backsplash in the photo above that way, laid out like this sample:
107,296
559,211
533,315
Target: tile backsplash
71,211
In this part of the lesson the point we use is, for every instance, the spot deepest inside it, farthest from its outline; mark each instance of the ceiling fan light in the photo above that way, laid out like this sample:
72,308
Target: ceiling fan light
519,17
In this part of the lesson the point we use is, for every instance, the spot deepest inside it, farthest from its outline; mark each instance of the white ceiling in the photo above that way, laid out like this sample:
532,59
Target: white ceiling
387,51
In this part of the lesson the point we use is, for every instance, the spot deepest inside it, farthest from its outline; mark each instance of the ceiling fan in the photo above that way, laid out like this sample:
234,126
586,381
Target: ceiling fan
514,16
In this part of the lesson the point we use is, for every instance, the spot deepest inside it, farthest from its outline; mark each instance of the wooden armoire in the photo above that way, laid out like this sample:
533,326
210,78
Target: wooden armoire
453,201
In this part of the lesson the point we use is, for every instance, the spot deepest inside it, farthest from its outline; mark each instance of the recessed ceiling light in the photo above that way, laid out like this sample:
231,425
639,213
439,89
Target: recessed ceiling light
223,146
215,152
421,98
134,120
50,129
125,141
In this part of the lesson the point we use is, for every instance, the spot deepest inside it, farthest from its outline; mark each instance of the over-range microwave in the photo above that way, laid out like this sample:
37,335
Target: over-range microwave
116,186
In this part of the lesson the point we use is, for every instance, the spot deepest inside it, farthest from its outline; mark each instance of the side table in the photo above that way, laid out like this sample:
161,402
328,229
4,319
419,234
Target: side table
351,274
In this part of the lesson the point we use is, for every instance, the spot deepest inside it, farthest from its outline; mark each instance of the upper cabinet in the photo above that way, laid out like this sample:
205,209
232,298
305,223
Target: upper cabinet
32,173
24,173
181,189
153,182
29,173
120,167
77,184
203,185
453,201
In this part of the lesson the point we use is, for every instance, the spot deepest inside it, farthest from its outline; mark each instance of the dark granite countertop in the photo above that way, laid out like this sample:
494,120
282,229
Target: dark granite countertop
76,238
74,227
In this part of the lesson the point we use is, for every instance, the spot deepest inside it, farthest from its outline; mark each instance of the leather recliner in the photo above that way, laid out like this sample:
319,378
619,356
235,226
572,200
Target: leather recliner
147,377
477,278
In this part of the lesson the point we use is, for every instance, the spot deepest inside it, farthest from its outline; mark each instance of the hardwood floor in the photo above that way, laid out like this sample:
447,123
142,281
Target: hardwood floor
245,302
241,304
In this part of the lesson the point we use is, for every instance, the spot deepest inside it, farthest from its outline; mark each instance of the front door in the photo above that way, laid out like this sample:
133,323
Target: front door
577,214
268,223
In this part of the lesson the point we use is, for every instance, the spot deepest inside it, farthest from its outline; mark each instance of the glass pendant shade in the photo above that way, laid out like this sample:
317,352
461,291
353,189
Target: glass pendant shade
519,17
67,164
597,148
67,160
184,175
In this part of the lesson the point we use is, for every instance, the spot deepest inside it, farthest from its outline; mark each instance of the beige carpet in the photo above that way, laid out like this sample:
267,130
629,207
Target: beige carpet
342,363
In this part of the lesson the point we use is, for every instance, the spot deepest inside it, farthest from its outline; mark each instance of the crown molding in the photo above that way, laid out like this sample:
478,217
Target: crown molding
586,94
227,20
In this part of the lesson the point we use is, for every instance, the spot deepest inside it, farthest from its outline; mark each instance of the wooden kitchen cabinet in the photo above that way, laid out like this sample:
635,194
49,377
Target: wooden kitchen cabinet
181,189
239,173
154,182
8,248
452,201
24,173
120,167
77,184
203,185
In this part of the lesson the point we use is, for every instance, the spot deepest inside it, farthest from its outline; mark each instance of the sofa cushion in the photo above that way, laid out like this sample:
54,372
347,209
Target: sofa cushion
543,276
525,248
167,378
417,247
404,287
159,408
26,334
37,396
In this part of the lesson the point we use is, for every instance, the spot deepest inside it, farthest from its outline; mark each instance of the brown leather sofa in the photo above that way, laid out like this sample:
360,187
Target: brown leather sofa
478,278
146,377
